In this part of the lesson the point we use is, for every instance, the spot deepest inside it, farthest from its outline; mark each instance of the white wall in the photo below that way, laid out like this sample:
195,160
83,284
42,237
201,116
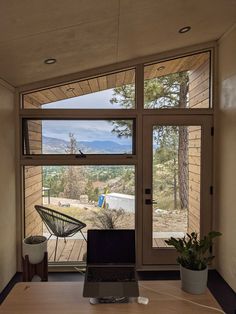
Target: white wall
226,158
7,185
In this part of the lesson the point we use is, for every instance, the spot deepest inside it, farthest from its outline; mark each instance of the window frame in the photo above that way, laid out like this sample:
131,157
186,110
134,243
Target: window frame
25,138
136,113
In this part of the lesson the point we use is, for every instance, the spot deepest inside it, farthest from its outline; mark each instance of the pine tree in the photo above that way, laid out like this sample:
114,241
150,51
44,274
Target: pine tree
170,91
74,176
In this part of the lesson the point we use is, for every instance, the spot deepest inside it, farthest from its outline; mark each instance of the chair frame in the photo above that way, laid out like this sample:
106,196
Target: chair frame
64,218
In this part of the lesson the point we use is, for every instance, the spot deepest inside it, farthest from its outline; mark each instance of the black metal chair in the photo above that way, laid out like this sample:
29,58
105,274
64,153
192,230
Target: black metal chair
59,224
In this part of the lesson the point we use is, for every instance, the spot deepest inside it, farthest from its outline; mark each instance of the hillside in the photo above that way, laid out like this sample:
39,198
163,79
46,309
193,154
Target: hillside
53,145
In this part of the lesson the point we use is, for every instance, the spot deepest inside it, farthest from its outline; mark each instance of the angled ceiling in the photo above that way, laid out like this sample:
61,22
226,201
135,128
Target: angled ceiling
85,34
118,79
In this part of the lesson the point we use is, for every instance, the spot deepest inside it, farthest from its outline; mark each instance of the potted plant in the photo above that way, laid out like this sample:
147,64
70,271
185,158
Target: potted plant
35,247
195,255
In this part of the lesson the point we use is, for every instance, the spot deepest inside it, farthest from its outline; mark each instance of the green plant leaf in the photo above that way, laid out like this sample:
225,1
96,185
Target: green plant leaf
194,253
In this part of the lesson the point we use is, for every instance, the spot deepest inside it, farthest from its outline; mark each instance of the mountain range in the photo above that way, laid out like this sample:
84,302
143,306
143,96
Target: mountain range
53,145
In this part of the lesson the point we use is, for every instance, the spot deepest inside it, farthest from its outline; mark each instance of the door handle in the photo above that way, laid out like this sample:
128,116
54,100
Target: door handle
150,202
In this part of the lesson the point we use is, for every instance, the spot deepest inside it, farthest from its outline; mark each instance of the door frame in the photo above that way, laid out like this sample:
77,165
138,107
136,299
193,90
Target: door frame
167,256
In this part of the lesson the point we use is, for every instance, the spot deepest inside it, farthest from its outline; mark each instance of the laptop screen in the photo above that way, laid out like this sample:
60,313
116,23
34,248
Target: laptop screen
112,246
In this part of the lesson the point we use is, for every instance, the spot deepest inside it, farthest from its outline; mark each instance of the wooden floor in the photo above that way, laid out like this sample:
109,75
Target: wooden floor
74,249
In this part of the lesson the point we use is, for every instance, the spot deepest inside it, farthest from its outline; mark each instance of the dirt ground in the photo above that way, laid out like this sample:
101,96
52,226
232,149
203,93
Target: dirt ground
171,220
163,220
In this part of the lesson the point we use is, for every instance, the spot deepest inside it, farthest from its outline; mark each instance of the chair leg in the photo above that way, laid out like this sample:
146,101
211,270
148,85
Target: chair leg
83,235
55,250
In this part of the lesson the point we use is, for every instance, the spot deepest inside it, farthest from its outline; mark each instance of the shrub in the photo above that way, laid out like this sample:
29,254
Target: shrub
107,218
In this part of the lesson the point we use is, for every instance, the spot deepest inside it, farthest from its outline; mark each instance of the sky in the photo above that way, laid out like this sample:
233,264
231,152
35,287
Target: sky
84,130
98,100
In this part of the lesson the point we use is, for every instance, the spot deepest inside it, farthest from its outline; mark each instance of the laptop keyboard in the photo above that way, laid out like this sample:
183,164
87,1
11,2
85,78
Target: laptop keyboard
111,274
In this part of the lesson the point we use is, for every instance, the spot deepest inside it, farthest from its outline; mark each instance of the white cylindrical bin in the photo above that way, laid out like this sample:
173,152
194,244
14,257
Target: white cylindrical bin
35,247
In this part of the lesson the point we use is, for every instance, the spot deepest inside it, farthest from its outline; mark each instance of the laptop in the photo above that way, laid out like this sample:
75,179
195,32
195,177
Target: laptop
111,264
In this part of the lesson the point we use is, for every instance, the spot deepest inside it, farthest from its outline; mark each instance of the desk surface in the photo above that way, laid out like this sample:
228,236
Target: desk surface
66,298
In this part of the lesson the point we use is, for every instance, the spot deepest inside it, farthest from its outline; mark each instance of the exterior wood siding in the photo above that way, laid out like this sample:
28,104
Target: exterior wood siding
198,98
33,196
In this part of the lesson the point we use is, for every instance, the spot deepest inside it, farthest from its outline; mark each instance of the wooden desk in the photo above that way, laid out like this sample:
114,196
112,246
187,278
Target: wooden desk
66,298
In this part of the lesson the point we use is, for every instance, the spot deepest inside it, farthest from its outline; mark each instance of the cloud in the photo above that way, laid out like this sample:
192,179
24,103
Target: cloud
84,130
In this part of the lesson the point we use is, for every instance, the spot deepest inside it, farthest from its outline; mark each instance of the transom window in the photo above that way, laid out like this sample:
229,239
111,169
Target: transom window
179,83
100,92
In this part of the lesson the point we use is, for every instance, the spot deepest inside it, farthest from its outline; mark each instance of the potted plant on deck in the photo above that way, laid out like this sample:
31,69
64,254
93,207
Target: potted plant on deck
195,255
35,247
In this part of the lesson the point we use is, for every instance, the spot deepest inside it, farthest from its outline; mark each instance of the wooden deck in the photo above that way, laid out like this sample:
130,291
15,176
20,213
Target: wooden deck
159,242
73,250
70,250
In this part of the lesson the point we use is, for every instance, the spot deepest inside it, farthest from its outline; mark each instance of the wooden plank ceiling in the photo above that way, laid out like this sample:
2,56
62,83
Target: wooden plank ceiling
92,85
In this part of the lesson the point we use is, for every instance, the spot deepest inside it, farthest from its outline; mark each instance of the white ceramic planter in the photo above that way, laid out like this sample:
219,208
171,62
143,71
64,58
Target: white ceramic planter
35,251
194,281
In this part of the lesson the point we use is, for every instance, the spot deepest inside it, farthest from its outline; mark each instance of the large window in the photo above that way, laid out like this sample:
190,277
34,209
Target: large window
124,149
102,197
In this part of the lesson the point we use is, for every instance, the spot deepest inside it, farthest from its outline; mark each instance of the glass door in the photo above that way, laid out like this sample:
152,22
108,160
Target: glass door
177,170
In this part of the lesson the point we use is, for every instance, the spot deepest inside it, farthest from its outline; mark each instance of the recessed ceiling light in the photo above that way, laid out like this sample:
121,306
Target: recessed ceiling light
184,29
50,61
161,68
70,89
